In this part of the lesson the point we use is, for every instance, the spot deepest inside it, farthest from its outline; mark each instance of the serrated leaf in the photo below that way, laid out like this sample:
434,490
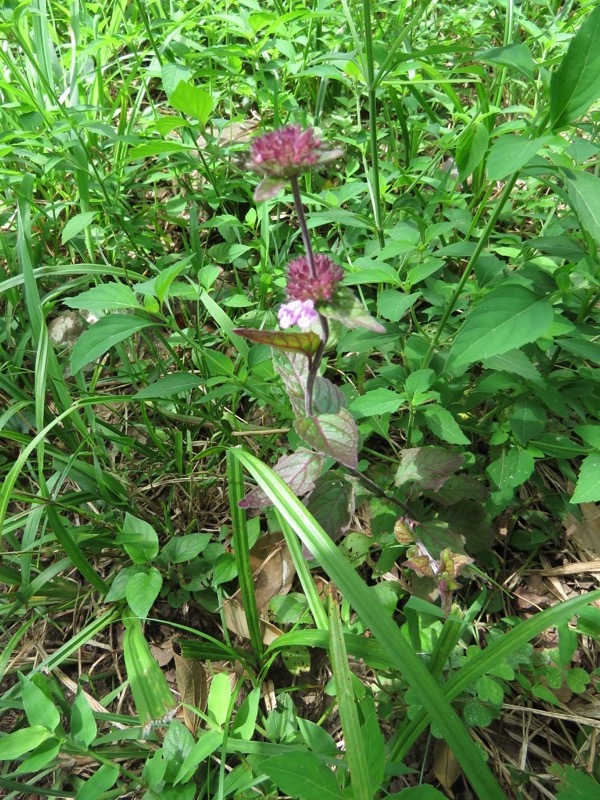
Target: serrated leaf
169,385
514,362
76,224
192,100
332,503
292,368
443,425
587,489
584,193
299,470
172,74
377,401
575,85
334,435
105,297
347,309
306,343
509,153
103,335
505,319
428,467
393,304
142,590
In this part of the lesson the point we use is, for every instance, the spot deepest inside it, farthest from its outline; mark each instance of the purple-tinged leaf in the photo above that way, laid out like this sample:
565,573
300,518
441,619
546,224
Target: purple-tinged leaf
299,470
306,343
332,503
293,371
428,467
347,309
334,435
436,535
268,188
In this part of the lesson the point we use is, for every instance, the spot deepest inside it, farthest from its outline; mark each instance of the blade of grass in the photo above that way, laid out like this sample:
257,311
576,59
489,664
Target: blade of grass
384,629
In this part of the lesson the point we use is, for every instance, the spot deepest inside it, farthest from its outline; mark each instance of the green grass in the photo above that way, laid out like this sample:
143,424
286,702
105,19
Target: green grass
465,214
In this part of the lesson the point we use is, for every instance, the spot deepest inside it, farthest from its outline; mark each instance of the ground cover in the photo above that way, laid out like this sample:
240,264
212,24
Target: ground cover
300,427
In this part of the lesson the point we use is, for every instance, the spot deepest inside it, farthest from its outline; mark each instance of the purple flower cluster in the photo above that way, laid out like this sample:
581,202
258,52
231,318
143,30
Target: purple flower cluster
285,153
303,285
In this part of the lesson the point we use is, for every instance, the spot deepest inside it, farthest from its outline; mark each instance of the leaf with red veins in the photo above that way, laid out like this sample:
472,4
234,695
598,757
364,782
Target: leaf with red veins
292,368
428,467
334,435
299,470
305,343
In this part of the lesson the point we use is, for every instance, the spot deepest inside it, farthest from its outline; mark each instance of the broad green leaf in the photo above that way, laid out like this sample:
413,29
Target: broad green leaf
83,724
100,782
219,698
424,792
103,335
299,470
584,194
428,467
180,549
393,304
527,420
334,435
590,435
139,539
193,101
577,785
471,148
206,745
158,147
39,709
142,590
375,402
575,85
105,297
172,74
77,224
437,536
332,503
302,775
347,309
587,489
151,694
306,343
512,468
443,425
514,362
512,56
245,719
505,319
292,368
509,153
169,385
16,744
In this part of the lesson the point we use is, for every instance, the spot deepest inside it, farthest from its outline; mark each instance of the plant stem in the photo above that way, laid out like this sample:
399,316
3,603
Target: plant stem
373,121
303,226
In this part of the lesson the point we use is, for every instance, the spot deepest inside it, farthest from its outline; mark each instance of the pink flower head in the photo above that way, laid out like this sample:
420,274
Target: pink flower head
303,285
288,152
298,312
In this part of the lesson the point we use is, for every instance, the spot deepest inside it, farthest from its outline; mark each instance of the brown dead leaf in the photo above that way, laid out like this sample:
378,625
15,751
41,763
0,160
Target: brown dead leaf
586,534
445,766
272,568
191,681
235,619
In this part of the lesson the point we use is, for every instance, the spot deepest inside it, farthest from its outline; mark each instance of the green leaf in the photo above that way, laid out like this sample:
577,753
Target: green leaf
77,224
302,775
268,188
305,343
423,792
16,744
428,467
393,304
512,468
584,194
375,402
169,385
172,74
192,100
151,694
103,335
505,319
514,362
83,724
471,148
575,85
184,548
587,489
105,297
299,470
39,709
207,743
577,785
332,503
142,590
512,56
139,539
334,435
219,698
101,781
245,719
443,425
509,153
